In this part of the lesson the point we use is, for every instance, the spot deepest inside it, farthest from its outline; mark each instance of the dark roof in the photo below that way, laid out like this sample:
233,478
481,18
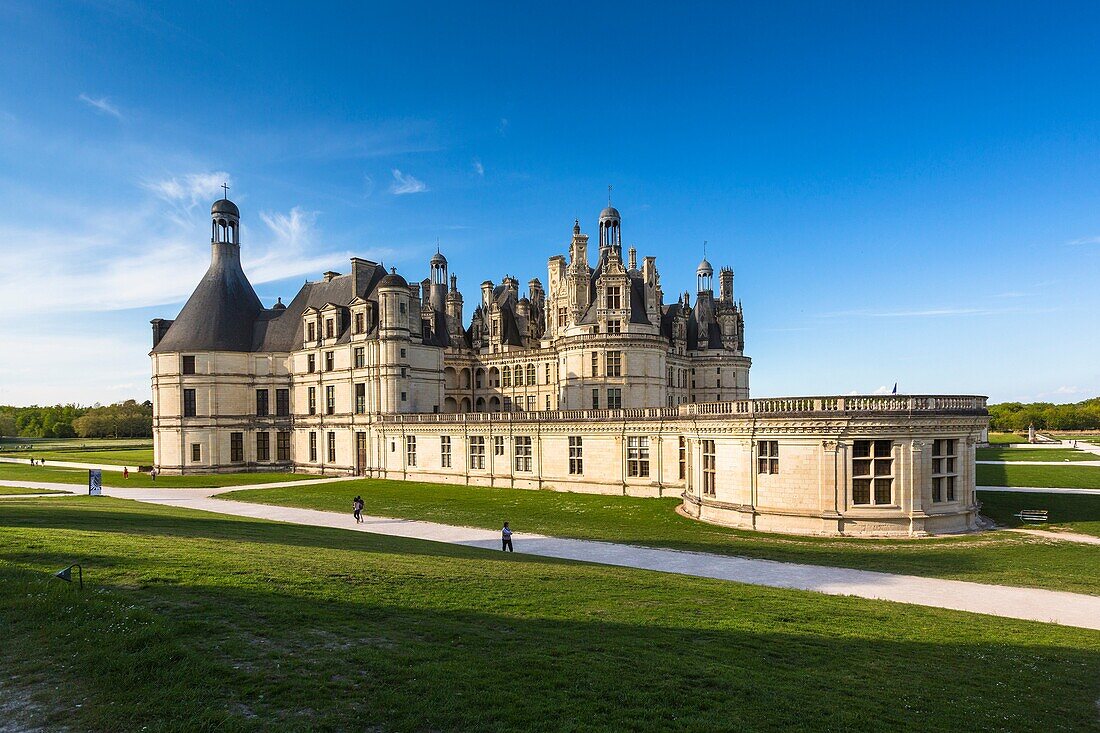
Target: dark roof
219,314
393,280
225,206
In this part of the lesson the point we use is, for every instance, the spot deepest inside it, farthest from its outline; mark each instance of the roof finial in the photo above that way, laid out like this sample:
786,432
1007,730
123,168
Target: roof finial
225,189
437,245
609,196
704,249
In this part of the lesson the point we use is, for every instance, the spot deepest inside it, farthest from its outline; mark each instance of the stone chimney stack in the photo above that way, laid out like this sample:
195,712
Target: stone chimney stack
725,285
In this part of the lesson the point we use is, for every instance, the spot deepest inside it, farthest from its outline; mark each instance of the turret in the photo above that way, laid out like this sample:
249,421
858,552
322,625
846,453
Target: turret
725,285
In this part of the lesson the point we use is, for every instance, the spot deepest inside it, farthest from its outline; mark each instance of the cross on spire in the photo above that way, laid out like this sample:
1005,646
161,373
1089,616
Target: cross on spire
609,196
225,190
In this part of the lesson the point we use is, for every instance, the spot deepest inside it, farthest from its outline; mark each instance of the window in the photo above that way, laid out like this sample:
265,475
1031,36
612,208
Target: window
188,365
547,402
683,458
401,307
410,450
670,376
329,328
360,357
445,451
313,447
282,445
477,452
872,472
595,364
546,374
404,372
498,445
943,470
312,400
188,403
614,398
562,317
767,456
614,363
614,298
359,323
404,396
330,399
530,403
282,402
637,455
263,446
236,447
576,455
519,375
614,326
708,468
196,453
331,447
261,403
595,398
522,452
506,377
507,403
360,398
311,331
330,361
402,353
531,374
311,363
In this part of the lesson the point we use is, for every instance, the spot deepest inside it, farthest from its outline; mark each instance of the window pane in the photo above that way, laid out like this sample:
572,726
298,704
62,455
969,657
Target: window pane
882,468
882,448
861,491
861,468
883,490
861,449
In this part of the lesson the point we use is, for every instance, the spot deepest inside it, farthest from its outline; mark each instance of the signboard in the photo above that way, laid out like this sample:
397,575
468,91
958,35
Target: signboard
95,482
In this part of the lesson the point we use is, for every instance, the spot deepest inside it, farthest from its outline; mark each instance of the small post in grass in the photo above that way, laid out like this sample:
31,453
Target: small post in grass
67,574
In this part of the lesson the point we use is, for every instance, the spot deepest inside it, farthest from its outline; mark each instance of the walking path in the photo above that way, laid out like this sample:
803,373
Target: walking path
1084,539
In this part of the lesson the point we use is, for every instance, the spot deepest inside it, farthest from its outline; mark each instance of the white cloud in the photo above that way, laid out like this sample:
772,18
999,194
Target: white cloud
102,104
478,167
403,184
919,313
111,368
1085,240
191,189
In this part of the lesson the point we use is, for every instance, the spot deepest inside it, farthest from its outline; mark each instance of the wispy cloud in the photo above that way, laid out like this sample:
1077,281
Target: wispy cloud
368,186
502,128
1084,240
920,313
478,167
102,104
403,184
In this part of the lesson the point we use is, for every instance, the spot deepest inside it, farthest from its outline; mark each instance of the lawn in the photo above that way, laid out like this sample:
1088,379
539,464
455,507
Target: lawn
18,490
1004,558
47,473
1035,454
998,438
192,621
1071,512
115,452
1055,476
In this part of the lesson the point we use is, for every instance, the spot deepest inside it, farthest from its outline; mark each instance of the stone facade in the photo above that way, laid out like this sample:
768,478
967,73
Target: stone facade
594,384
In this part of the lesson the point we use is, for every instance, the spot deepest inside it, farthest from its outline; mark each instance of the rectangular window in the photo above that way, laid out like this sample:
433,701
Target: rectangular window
330,361
196,453
683,458
445,451
709,470
404,396
311,331
547,402
595,398
614,398
637,455
360,398
522,451
506,377
562,317
359,323
282,445
312,400
263,446
767,456
313,447
872,472
329,328
614,298
410,450
311,363
507,403
360,357
188,403
261,403
595,364
944,475
576,455
188,365
236,447
477,452
332,447
546,374
282,402
401,307
402,353
330,400
498,445
614,363
530,403
519,375
614,326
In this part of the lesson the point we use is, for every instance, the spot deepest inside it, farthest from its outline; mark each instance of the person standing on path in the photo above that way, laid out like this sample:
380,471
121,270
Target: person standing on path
357,508
506,539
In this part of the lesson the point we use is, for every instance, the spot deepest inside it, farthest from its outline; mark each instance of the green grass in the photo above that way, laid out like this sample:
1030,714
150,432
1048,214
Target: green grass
1070,512
18,490
47,473
1004,558
1090,438
115,452
193,621
1054,476
998,438
1035,454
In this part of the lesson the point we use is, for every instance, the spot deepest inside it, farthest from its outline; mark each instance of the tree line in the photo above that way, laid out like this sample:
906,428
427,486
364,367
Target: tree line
129,419
1015,417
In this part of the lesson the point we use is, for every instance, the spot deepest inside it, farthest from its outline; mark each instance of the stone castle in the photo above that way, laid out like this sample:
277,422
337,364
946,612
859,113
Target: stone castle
592,383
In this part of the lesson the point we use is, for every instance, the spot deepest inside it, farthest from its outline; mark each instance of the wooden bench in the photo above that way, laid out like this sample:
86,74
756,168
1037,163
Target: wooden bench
1032,515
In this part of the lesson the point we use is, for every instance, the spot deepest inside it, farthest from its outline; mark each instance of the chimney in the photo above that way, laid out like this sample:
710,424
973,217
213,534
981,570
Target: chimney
633,258
329,275
725,285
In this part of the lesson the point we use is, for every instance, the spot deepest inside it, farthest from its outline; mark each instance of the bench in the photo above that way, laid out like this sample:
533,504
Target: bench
1032,515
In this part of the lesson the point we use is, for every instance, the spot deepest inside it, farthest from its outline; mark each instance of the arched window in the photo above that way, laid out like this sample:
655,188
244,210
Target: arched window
530,373
505,376
519,375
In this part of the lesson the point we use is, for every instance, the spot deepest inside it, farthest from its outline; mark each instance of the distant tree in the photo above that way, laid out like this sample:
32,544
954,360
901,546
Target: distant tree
127,419
1017,416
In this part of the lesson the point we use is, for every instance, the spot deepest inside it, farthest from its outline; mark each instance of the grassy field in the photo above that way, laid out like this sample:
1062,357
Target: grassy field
1071,512
47,473
1004,558
998,438
1055,475
1035,454
17,491
193,621
114,452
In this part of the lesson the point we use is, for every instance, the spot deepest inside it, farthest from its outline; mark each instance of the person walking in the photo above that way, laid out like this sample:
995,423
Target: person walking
357,508
153,474
125,472
506,539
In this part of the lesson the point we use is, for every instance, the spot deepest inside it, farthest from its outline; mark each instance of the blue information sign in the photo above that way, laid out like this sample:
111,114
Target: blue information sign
95,482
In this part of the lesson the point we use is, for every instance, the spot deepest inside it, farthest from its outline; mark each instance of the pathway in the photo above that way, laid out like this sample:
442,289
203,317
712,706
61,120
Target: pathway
1053,534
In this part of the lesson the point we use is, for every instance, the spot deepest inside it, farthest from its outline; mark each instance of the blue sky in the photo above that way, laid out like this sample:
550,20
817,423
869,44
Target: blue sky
908,192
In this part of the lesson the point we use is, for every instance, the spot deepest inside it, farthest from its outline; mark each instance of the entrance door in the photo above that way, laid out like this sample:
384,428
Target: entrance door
360,453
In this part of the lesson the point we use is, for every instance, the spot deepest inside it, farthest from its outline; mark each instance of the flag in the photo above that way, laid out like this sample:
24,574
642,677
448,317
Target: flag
66,574
895,390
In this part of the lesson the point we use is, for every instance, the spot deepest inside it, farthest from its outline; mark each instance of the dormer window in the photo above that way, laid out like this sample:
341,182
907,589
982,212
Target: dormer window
330,328
614,298
311,331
